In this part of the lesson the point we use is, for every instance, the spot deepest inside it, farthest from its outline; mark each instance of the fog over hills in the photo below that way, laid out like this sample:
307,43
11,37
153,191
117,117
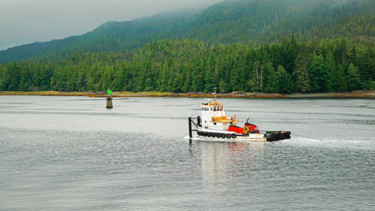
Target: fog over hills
27,21
236,21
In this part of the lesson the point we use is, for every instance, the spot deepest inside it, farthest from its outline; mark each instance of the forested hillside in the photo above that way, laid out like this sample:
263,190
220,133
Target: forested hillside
236,21
186,65
241,45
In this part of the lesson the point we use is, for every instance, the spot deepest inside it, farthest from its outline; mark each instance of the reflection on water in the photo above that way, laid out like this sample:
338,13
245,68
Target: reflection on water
214,163
223,161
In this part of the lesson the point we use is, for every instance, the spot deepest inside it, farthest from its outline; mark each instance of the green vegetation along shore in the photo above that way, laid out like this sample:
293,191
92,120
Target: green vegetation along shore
354,95
182,66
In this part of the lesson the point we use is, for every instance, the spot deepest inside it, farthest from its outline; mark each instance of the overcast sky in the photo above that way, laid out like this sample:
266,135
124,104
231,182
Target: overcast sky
27,21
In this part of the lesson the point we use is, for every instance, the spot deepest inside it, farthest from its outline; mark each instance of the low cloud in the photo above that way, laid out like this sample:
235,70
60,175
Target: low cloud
26,21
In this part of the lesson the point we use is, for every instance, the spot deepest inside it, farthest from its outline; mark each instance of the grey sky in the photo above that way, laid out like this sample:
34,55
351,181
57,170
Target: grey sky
27,21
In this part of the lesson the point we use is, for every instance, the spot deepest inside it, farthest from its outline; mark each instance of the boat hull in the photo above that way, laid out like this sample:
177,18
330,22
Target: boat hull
237,139
230,136
210,134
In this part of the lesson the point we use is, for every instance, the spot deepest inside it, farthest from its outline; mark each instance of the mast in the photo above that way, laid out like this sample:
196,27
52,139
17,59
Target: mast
215,94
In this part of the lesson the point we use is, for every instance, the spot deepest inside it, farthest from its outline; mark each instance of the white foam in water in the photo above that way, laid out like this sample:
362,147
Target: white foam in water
331,143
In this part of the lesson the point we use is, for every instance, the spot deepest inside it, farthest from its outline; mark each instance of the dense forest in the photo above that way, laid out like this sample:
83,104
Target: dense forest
191,65
239,45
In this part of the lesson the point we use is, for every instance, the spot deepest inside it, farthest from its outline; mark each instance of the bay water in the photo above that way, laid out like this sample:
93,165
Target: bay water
71,153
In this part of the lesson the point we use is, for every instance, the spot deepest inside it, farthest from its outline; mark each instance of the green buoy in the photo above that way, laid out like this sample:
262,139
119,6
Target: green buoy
109,99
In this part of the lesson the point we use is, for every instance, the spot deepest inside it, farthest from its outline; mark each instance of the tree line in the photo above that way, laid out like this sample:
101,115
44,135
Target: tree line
194,66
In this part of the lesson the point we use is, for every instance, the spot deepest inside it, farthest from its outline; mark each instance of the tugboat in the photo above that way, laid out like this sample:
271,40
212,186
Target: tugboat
214,125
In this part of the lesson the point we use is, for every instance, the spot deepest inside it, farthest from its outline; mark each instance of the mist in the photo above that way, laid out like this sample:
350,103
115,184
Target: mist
27,21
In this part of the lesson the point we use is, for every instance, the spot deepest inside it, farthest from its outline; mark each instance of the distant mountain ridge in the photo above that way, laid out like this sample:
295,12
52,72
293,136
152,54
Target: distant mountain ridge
236,21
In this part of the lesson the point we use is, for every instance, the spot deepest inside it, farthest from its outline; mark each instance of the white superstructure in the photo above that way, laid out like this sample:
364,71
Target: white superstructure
214,117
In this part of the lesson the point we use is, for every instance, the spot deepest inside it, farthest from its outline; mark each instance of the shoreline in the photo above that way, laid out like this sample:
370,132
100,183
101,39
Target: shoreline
353,95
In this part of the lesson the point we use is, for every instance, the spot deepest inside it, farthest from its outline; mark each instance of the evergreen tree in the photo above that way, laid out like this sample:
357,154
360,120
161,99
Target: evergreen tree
198,81
222,86
354,80
178,80
4,77
187,83
332,71
285,80
320,81
235,79
341,79
302,74
210,73
255,82
272,84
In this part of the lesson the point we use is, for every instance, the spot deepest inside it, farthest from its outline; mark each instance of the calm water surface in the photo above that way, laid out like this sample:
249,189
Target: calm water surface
70,153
